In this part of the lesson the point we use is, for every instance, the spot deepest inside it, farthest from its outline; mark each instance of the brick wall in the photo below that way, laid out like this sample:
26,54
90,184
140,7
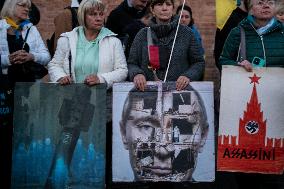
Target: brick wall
203,13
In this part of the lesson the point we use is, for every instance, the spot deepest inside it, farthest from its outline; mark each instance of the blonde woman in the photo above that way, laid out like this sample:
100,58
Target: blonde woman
90,53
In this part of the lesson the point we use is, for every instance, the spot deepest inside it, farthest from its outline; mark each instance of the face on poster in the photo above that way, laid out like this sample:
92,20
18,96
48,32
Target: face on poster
161,133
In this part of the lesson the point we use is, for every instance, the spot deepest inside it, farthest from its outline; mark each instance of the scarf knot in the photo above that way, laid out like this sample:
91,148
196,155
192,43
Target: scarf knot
17,28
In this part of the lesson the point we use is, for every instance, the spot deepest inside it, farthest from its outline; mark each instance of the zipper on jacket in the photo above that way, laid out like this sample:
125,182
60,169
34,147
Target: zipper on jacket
264,54
262,43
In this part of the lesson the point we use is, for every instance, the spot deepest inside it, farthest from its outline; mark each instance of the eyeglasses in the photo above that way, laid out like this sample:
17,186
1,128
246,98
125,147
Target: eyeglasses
262,3
24,5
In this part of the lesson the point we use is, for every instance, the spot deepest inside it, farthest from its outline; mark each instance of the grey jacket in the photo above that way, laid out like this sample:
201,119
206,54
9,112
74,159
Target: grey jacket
186,58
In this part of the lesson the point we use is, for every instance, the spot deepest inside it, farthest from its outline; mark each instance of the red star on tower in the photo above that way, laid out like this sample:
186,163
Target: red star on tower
254,79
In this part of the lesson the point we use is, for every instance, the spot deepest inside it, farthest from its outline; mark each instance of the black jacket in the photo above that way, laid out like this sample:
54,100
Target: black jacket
122,16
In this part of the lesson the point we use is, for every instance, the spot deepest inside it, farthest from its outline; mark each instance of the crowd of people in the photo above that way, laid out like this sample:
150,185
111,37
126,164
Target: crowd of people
142,40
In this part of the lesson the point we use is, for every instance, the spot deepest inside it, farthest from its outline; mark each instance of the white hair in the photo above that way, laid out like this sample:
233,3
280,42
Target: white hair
9,7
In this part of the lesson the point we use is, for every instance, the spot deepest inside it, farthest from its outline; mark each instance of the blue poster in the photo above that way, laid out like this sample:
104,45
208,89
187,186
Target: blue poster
6,103
59,136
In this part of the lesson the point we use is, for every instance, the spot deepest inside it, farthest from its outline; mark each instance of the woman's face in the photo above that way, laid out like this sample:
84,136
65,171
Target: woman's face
21,11
185,17
94,19
280,16
163,11
263,10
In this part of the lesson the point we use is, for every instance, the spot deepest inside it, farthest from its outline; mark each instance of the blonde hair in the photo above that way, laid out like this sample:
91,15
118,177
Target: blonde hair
86,5
9,7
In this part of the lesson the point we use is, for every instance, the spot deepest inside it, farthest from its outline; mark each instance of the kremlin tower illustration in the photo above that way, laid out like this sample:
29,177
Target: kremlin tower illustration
251,151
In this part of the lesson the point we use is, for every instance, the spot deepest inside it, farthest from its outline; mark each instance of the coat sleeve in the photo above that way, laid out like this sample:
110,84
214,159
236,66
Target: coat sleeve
57,67
231,47
119,72
39,50
197,65
135,55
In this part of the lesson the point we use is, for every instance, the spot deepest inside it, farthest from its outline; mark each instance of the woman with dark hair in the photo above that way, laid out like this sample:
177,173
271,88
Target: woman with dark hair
187,20
152,57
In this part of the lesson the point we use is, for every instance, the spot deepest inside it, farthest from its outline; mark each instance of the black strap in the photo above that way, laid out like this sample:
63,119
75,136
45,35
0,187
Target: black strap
26,37
70,59
242,53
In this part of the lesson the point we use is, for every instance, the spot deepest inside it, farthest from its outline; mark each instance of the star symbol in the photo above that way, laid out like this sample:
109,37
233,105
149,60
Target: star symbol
254,79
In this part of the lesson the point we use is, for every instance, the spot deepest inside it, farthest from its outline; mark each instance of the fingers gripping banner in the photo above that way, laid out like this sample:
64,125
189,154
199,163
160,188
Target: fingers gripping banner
162,134
59,136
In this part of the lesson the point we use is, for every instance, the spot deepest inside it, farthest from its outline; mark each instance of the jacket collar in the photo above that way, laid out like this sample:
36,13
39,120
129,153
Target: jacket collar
74,33
163,30
248,25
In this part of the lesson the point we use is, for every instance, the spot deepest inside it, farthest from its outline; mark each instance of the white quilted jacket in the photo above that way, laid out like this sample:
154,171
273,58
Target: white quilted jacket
34,40
112,63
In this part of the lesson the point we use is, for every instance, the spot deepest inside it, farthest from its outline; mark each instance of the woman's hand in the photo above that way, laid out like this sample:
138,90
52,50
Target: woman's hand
246,65
140,82
182,82
20,57
92,80
65,80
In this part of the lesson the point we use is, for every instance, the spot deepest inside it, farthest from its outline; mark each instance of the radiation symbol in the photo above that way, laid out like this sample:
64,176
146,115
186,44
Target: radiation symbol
252,127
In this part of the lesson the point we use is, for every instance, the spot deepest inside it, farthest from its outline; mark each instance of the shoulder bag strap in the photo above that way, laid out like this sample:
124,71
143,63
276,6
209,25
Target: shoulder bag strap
242,49
70,59
26,37
150,43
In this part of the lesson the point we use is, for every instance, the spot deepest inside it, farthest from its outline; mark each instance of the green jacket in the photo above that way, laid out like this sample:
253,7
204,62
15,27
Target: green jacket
269,46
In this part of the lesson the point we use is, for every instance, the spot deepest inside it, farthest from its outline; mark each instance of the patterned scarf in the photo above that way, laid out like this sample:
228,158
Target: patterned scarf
16,27
264,29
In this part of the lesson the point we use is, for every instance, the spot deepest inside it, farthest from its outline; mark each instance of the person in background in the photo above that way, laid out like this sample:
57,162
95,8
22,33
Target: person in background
133,28
280,12
221,34
264,38
187,20
128,12
64,22
34,14
187,63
